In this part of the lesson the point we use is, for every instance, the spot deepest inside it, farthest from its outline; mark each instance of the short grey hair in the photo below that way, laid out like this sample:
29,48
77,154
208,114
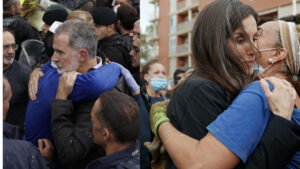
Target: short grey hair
82,34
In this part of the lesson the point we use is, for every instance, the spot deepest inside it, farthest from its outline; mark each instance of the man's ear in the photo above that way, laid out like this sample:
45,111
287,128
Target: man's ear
106,134
111,28
281,54
83,55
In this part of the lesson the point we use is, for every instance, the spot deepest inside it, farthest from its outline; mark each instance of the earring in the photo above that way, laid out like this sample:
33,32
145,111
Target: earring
271,60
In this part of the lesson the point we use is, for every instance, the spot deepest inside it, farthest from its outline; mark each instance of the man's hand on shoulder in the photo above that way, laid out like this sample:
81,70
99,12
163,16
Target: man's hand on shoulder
66,84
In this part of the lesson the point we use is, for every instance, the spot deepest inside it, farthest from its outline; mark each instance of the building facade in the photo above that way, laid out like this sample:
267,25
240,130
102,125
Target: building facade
175,19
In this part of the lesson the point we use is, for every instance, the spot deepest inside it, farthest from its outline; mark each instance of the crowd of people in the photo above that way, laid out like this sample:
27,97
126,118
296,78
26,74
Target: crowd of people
58,109
221,116
81,102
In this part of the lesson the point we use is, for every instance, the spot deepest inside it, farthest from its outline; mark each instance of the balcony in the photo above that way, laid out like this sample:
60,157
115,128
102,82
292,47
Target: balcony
187,3
154,19
181,5
153,1
153,36
195,2
182,48
185,26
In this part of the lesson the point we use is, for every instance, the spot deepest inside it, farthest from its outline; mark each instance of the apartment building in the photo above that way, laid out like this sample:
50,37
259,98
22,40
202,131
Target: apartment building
174,20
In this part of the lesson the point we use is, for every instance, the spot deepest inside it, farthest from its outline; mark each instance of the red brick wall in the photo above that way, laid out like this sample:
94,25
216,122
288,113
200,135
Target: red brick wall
258,5
163,33
263,5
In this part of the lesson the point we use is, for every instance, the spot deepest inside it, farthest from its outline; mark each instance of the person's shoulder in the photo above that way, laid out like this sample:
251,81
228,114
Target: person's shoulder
20,145
19,153
24,68
296,116
134,161
10,131
255,87
200,83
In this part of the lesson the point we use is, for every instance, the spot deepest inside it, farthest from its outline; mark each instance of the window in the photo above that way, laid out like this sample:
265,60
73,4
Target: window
173,23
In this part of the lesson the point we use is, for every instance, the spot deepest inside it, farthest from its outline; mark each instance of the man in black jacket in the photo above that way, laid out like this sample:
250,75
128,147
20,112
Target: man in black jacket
21,27
19,153
75,44
116,128
126,16
18,76
110,43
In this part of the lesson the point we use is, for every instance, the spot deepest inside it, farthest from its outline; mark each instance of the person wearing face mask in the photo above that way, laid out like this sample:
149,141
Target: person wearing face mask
155,76
279,46
225,126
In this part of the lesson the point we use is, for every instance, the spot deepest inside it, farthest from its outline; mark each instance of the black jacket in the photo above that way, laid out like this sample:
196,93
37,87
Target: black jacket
19,153
72,133
114,48
128,158
18,77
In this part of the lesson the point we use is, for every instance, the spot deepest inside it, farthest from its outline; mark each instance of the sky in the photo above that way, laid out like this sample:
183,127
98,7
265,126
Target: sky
146,11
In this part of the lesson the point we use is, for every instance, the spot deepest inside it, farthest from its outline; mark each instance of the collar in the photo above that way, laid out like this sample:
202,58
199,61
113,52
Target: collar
99,64
116,158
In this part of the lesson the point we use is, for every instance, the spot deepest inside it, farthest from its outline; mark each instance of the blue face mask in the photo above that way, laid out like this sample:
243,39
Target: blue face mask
158,84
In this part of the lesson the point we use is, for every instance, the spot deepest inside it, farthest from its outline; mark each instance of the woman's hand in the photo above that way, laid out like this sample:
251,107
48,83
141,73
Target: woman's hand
282,99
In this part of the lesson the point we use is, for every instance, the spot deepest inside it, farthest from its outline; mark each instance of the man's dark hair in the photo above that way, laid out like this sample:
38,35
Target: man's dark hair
127,15
6,29
89,6
120,114
177,71
7,4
